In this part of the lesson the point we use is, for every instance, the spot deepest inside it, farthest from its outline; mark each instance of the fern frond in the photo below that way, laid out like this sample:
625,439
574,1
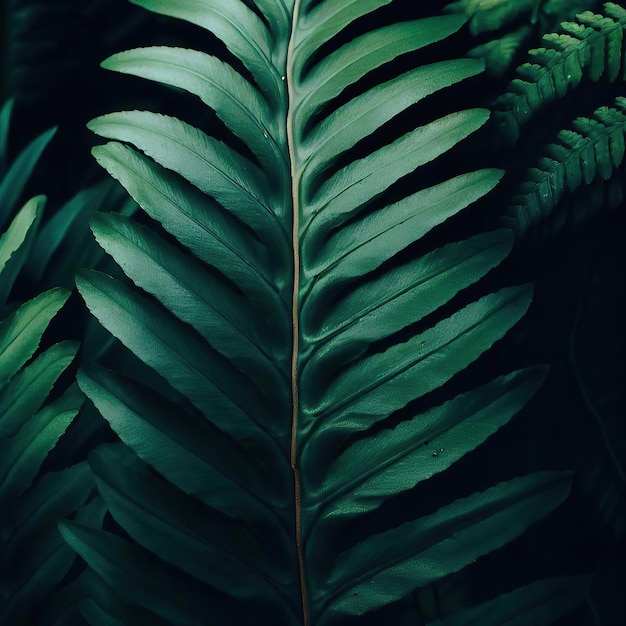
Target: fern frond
291,323
591,47
594,149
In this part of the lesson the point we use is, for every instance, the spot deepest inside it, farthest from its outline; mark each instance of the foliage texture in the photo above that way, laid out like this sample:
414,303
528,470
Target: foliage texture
34,558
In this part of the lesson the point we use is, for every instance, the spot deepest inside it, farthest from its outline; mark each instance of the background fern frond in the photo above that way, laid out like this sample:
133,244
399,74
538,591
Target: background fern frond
591,47
593,150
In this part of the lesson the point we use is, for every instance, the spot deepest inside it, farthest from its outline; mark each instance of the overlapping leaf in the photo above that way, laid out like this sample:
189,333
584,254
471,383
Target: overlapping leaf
34,557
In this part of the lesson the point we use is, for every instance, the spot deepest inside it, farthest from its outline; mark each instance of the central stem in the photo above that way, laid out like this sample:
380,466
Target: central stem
295,316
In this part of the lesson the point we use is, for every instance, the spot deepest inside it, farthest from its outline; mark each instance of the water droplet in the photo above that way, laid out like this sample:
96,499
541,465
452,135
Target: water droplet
282,78
265,135
434,454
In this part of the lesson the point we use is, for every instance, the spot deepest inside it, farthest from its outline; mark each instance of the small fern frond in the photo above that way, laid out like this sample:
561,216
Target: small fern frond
591,47
592,150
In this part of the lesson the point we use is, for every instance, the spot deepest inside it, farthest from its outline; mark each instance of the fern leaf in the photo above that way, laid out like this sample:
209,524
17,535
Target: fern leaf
591,47
593,150
386,567
287,314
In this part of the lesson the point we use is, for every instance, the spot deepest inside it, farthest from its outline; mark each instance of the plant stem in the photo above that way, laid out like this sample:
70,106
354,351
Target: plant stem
295,319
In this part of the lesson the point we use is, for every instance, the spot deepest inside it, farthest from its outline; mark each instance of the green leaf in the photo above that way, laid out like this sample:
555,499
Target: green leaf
193,455
386,567
416,449
14,181
27,450
593,150
355,120
63,233
5,125
234,181
27,391
379,384
54,496
220,87
241,30
184,533
21,332
190,366
352,61
16,242
211,306
133,573
591,47
185,213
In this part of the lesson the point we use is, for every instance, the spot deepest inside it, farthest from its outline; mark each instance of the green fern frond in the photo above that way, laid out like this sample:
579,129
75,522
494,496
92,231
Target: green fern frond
591,47
298,333
594,149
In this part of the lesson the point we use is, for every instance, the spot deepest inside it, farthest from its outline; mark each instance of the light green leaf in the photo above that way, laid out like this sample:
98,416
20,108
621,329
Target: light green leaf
14,181
27,391
29,447
21,332
15,243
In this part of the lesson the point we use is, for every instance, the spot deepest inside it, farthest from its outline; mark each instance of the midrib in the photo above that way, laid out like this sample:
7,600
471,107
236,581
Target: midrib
295,321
